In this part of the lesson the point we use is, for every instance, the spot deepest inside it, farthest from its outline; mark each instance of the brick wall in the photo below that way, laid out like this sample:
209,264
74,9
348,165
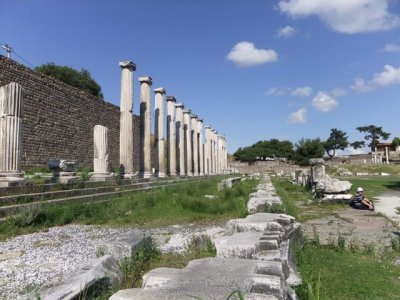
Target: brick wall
59,119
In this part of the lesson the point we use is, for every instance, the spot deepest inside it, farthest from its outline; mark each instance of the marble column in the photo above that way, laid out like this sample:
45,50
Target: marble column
214,151
171,136
207,150
201,148
100,153
387,155
188,142
180,145
145,143
159,132
126,120
195,145
11,118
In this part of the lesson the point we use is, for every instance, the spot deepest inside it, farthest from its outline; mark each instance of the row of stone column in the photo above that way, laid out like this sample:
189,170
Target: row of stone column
186,153
185,149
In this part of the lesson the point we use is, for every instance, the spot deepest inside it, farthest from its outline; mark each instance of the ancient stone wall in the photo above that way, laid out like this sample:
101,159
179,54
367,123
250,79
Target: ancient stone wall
59,119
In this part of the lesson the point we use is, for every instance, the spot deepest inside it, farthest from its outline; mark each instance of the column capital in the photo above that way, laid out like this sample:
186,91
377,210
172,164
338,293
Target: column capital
200,120
193,116
147,79
187,111
160,90
208,127
127,64
171,98
179,105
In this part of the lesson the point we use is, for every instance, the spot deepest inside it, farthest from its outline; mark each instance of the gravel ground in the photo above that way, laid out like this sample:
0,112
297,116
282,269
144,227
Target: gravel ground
38,259
47,258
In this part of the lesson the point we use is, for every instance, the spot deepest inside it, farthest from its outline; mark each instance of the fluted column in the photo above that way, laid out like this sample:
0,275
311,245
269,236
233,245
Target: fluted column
201,148
159,132
188,142
214,151
171,136
100,154
180,147
126,119
145,144
207,151
195,145
11,114
219,154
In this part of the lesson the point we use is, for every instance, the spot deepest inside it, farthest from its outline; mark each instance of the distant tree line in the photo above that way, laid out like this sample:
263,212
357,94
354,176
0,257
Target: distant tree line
307,148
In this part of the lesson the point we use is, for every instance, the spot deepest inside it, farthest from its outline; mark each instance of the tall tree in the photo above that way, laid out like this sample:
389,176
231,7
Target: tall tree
337,141
306,149
373,135
79,79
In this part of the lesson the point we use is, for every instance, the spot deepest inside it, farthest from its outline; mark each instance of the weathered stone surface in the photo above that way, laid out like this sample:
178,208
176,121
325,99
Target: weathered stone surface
104,269
211,278
329,185
125,244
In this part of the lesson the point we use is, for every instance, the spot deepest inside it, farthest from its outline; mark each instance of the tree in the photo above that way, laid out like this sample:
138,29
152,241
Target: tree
336,141
373,134
79,79
396,141
306,149
263,149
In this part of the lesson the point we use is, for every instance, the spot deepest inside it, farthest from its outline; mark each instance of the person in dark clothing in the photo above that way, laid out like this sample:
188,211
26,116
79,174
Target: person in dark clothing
360,202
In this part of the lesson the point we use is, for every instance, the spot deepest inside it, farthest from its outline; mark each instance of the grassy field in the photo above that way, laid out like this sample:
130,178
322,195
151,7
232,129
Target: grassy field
330,272
178,204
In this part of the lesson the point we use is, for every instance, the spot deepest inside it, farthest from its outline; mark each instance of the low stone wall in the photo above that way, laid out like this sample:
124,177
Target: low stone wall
59,119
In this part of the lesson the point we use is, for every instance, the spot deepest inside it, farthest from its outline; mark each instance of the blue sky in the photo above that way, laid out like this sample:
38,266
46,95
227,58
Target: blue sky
255,69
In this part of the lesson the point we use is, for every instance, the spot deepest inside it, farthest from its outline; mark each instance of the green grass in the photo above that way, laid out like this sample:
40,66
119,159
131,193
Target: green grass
184,203
300,203
375,186
370,168
346,275
333,272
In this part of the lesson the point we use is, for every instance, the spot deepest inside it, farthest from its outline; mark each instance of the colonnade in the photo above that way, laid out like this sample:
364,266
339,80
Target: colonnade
189,152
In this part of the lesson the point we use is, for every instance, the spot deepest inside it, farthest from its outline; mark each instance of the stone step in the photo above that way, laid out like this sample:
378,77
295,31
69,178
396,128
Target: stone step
34,197
9,210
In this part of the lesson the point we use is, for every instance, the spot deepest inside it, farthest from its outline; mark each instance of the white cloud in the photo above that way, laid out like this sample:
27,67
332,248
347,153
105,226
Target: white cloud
244,54
323,102
279,91
297,117
302,92
337,92
389,76
345,16
286,31
360,85
392,47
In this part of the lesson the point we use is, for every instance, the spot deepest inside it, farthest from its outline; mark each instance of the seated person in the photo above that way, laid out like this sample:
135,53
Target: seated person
360,202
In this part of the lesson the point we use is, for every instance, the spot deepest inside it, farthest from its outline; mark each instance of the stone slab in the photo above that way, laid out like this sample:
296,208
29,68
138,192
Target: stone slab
210,278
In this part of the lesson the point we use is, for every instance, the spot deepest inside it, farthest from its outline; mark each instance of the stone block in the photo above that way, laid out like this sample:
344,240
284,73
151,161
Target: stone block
211,278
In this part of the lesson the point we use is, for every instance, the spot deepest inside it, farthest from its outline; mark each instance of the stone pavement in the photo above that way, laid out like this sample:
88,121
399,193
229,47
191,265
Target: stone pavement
388,204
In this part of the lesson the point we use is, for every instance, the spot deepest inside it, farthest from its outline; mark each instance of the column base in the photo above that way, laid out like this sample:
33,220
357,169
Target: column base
190,174
145,175
129,175
195,174
172,174
102,177
181,174
160,175
11,179
201,174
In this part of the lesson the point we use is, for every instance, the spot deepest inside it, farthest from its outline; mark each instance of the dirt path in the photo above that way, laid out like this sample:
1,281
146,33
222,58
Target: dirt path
387,204
359,228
